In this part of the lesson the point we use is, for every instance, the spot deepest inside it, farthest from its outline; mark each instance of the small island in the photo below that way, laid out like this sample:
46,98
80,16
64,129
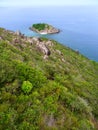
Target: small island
43,28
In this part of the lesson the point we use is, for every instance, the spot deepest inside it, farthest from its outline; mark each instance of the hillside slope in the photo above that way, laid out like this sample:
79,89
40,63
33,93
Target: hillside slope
45,85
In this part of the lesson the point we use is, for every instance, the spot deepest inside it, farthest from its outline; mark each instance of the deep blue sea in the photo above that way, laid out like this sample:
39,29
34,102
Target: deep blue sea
78,25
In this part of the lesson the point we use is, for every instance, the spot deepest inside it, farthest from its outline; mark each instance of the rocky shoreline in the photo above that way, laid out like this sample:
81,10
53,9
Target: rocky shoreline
50,30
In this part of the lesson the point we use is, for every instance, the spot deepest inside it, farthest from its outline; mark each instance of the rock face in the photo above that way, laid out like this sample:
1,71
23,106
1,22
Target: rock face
18,32
0,38
43,28
42,46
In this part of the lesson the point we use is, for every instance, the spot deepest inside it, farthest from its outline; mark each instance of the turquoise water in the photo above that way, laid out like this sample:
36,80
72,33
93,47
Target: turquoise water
78,25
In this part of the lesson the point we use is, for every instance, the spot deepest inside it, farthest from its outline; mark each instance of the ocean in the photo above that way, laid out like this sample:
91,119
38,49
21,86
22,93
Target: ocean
78,25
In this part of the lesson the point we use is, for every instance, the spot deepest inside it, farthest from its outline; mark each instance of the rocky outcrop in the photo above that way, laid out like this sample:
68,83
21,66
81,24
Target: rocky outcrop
43,48
18,32
0,38
41,45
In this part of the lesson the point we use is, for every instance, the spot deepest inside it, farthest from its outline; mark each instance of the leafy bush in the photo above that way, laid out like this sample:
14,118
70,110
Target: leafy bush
27,73
85,125
27,87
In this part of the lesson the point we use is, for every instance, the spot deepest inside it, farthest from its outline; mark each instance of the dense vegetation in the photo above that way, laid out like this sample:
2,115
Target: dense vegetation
57,93
40,26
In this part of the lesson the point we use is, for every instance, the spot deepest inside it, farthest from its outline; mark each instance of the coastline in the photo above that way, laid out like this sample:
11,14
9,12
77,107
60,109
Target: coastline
45,32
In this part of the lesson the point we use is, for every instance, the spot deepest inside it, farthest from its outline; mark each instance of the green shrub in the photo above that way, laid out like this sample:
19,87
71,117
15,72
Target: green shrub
85,125
27,87
27,73
40,26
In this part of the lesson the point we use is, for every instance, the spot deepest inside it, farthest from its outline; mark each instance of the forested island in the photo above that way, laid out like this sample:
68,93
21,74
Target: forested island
43,28
45,85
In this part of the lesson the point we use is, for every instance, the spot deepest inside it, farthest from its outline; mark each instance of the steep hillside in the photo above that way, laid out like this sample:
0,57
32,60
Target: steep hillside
45,85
